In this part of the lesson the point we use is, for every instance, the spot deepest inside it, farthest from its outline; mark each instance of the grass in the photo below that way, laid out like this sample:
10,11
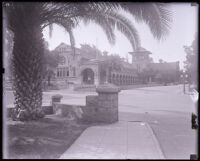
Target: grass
47,138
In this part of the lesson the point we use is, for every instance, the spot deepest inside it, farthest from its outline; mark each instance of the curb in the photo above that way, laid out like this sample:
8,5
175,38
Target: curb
158,147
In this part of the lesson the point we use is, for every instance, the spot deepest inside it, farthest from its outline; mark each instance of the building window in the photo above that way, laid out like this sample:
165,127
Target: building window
58,72
62,49
61,72
66,69
74,71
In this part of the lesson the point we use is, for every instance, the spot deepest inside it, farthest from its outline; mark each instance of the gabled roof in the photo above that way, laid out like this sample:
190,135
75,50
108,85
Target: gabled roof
171,66
62,45
140,50
68,47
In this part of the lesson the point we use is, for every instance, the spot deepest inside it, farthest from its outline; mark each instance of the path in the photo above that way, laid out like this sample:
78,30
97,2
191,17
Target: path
121,140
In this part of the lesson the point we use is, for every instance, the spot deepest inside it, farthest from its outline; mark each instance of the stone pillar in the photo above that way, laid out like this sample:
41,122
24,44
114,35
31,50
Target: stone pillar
107,103
55,100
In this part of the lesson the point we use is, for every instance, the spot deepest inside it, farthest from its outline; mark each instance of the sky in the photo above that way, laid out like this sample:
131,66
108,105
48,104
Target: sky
183,29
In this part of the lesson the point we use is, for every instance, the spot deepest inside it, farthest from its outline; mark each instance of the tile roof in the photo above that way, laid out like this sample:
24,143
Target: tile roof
164,66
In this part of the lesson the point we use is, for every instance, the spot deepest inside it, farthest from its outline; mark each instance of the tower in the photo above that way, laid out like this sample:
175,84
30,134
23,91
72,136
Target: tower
140,58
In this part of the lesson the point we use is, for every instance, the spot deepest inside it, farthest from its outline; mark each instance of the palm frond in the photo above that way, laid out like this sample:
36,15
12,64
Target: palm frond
72,39
68,25
156,15
109,20
100,20
125,26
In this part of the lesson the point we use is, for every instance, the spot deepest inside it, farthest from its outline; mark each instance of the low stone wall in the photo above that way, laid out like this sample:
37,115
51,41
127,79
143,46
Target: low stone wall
101,108
48,110
63,110
66,110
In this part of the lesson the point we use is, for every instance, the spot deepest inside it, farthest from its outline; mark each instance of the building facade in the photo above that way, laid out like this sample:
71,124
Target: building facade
148,71
76,70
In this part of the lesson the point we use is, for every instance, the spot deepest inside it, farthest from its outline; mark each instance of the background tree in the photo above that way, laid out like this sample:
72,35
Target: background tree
191,63
146,74
161,61
50,62
90,52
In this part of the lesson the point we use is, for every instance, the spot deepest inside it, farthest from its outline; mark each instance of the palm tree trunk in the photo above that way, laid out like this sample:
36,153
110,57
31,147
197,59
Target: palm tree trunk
27,65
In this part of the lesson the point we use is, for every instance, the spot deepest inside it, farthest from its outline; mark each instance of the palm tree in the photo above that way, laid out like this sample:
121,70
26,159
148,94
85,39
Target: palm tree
26,20
50,62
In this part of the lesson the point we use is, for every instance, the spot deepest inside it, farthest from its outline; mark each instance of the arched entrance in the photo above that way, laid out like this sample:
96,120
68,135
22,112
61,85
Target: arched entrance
87,76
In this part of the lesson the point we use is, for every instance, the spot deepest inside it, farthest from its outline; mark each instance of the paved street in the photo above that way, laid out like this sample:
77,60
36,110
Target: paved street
168,112
165,108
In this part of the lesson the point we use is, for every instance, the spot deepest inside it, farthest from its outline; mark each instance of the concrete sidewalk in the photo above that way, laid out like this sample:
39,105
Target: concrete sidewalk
121,140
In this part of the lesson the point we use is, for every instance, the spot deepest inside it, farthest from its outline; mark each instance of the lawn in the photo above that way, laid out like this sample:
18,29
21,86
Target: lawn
47,138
